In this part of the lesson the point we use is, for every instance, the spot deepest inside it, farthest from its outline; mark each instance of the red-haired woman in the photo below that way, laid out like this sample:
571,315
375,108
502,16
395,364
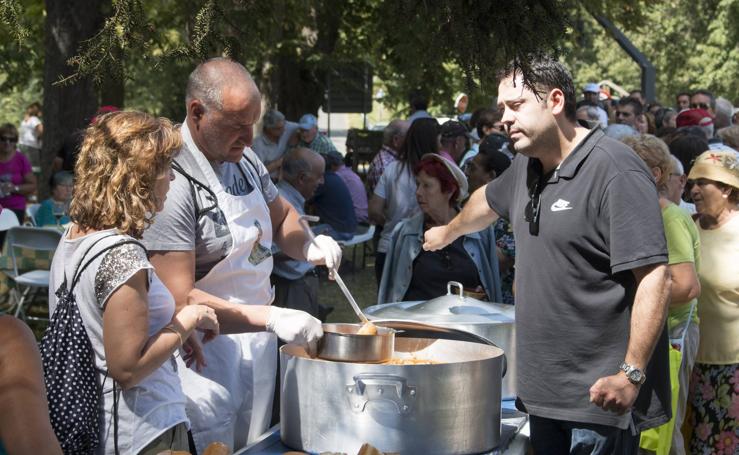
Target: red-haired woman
410,273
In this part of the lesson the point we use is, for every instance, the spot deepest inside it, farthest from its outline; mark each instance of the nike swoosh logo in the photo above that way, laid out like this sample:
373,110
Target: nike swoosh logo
560,205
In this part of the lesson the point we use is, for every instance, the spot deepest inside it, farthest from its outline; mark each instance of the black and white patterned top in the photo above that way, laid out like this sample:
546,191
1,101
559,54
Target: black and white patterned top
157,402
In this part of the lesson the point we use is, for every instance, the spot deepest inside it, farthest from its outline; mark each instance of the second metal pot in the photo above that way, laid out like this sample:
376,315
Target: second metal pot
341,343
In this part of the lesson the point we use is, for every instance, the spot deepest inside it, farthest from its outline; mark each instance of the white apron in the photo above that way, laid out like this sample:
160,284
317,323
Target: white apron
230,401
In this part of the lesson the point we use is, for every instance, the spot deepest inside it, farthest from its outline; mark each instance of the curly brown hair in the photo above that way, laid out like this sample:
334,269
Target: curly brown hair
655,153
120,159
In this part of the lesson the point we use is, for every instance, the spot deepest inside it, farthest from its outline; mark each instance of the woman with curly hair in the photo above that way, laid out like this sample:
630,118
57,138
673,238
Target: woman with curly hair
122,177
683,249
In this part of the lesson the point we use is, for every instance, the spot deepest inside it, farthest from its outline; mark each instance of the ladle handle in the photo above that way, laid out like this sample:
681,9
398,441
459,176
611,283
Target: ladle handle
349,297
304,222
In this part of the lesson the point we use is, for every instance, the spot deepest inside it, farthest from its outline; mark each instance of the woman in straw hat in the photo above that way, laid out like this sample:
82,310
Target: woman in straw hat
714,187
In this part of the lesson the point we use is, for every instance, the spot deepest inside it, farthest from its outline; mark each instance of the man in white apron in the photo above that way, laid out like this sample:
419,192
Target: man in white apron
211,244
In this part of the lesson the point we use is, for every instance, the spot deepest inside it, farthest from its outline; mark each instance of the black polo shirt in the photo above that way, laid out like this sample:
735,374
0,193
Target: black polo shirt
599,219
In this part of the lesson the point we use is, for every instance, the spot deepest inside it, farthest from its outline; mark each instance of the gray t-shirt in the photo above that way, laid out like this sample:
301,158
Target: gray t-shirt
599,219
191,219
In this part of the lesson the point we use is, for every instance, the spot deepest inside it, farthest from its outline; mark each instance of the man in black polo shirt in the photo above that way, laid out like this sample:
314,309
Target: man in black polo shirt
591,276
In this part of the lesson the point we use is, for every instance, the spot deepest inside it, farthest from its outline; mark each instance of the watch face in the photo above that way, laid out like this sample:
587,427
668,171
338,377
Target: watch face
635,375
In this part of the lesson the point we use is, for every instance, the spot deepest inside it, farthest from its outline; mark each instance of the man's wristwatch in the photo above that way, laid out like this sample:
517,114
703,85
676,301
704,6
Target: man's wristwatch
635,375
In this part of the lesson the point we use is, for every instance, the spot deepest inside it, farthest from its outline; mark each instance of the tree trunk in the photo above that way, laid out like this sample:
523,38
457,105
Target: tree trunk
299,89
67,107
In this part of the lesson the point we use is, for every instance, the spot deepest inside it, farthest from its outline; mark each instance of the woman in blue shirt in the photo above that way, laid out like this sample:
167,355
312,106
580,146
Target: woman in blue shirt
61,194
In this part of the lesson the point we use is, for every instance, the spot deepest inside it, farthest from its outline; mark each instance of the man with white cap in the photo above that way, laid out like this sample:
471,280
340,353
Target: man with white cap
311,138
212,244
591,95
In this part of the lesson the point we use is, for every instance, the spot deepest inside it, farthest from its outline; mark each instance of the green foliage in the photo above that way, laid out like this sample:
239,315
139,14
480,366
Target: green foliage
21,43
691,43
443,47
11,15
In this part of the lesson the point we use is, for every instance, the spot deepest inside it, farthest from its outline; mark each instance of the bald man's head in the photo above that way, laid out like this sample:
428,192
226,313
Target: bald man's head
223,104
303,169
212,78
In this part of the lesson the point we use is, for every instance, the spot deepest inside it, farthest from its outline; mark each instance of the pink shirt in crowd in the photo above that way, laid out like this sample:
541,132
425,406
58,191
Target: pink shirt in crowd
15,171
357,192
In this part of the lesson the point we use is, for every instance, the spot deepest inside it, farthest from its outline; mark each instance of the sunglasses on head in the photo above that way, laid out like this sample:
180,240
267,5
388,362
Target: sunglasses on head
699,106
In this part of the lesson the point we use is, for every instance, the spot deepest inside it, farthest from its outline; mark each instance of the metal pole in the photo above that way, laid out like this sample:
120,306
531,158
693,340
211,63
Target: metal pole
328,102
648,73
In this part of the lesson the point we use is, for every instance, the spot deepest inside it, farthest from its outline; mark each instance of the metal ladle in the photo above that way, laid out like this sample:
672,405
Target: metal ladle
304,223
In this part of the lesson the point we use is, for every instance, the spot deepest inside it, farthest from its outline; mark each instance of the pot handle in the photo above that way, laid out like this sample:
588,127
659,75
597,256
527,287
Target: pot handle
380,387
455,284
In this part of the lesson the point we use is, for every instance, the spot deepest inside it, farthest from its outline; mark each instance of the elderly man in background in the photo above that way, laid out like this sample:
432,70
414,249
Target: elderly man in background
311,138
296,281
676,186
588,114
591,97
277,134
392,138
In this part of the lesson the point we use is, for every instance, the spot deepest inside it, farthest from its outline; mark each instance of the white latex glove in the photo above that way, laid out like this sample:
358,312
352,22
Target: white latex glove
327,253
295,327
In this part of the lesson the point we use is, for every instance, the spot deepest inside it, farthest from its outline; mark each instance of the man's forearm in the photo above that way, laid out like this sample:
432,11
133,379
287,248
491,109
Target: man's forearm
232,317
476,215
648,314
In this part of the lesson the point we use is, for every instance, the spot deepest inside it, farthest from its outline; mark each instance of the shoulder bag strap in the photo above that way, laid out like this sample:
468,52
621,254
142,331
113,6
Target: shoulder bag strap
81,268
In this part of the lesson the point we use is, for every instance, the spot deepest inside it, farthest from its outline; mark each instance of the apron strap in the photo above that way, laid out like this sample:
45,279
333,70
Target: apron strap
255,172
199,212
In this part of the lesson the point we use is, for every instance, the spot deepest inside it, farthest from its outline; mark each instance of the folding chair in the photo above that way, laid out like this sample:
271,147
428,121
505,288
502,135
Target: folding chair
29,283
8,220
31,211
363,234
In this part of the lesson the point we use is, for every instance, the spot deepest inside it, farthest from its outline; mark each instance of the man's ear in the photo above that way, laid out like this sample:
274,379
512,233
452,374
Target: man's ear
195,110
557,100
657,173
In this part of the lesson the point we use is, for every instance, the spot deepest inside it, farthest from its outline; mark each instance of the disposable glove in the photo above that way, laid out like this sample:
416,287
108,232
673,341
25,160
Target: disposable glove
295,327
323,251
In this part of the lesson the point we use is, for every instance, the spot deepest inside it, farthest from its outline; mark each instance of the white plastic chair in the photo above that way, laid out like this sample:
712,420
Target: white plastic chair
8,220
31,211
29,283
362,235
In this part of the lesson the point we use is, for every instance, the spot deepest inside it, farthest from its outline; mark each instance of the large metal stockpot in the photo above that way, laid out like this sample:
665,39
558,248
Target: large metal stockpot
450,407
492,321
